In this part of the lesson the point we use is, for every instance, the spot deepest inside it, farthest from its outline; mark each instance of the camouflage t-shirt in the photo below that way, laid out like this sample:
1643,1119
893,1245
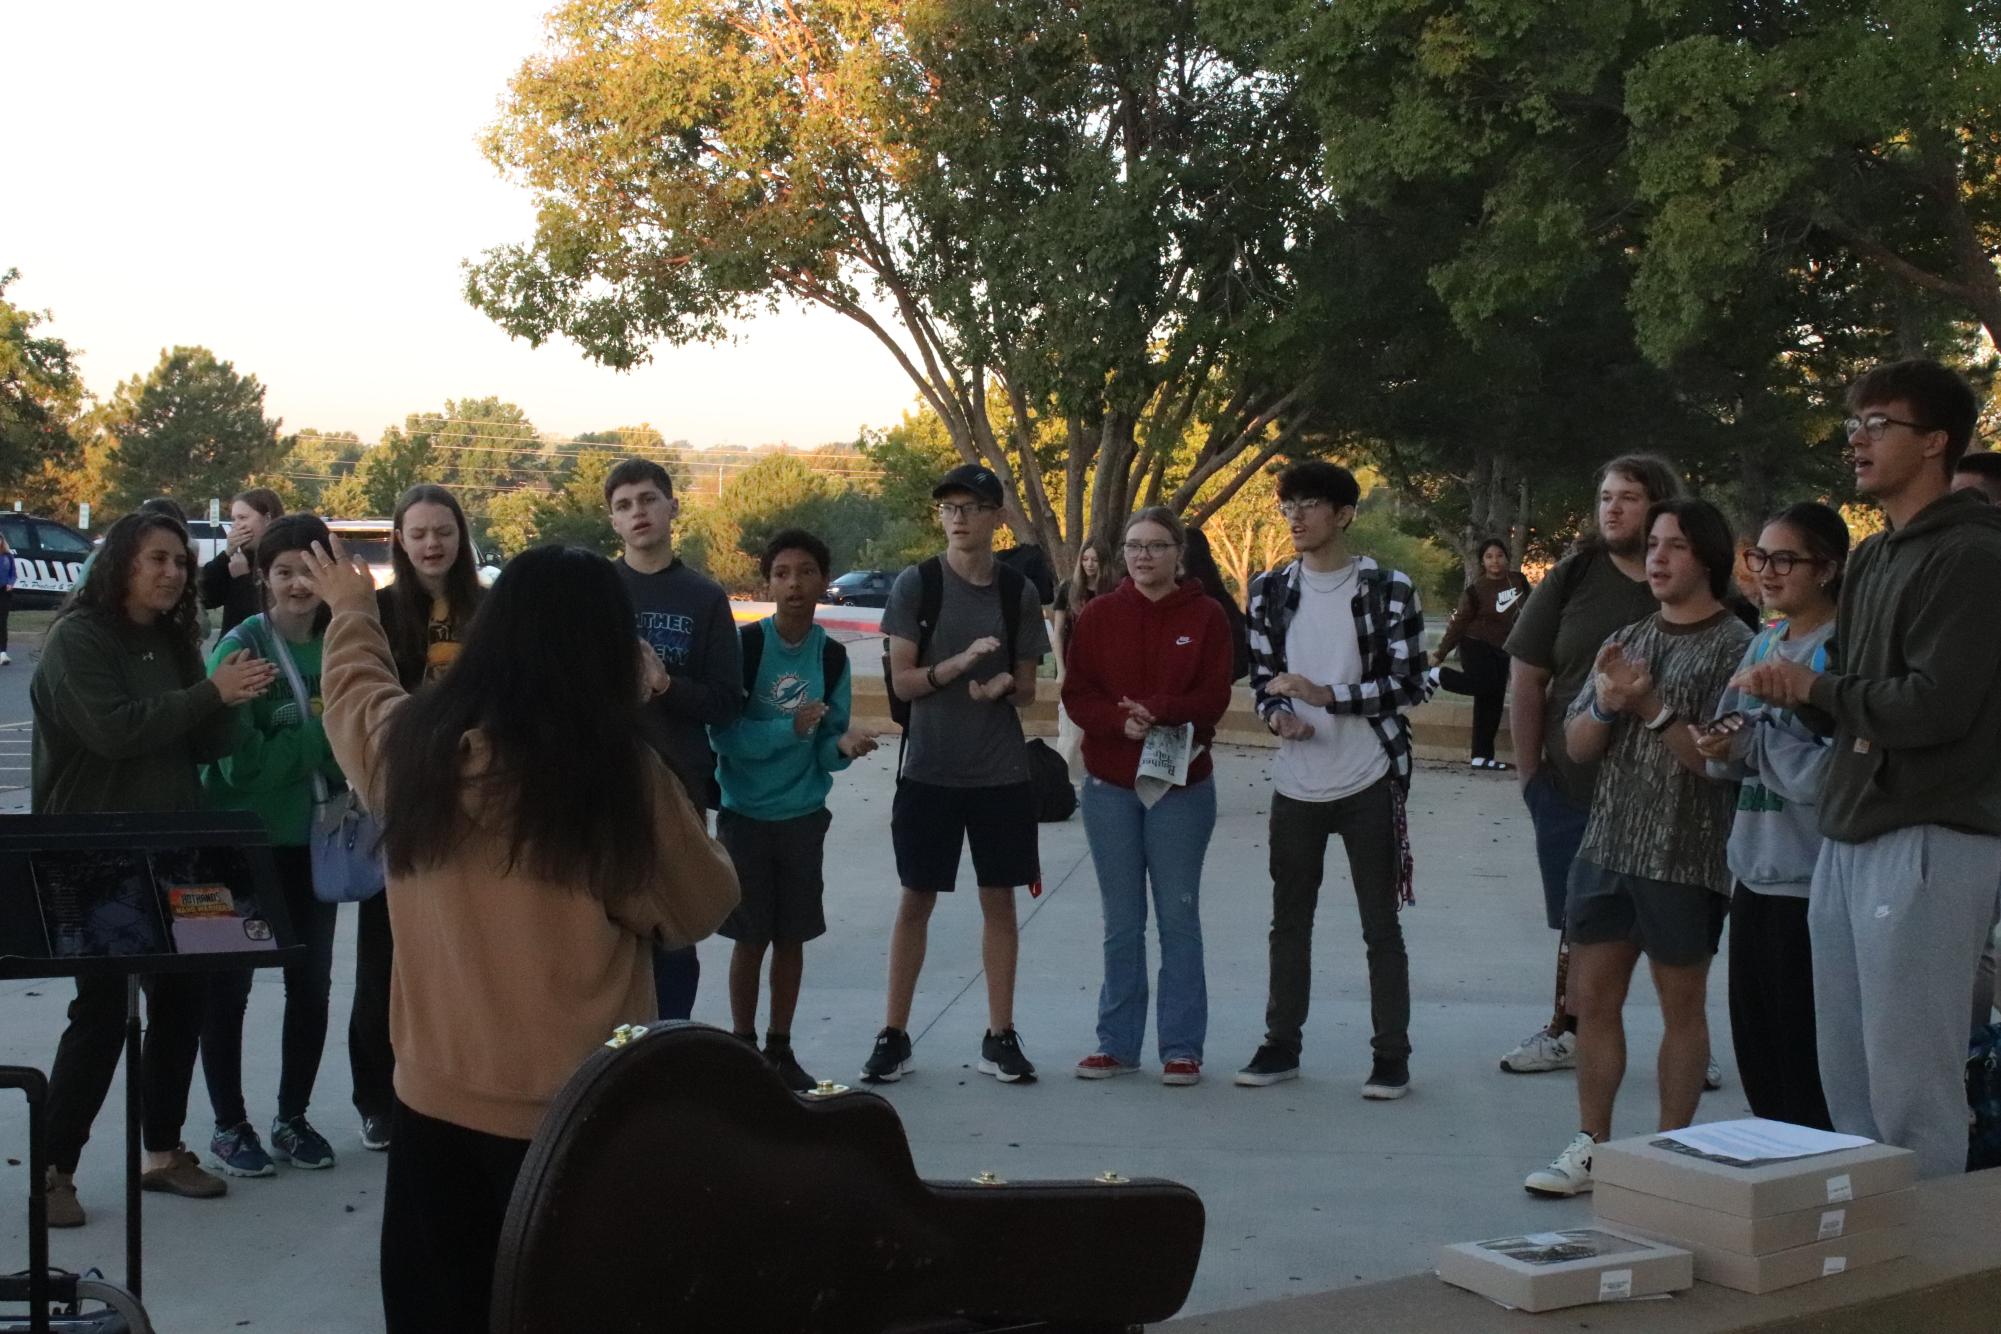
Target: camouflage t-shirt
1650,816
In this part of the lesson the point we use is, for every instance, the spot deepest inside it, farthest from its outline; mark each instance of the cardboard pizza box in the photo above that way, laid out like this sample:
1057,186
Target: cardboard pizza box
1801,1264
1542,1271
1692,1225
1657,1166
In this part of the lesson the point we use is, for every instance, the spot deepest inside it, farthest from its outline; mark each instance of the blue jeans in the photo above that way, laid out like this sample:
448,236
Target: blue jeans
1559,831
1131,845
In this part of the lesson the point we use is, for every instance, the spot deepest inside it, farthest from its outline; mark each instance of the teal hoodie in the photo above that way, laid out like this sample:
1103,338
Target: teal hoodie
275,750
766,769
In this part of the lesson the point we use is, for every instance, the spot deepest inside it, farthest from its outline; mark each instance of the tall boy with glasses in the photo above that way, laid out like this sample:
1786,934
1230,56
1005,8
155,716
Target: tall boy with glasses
1909,877
964,781
1337,654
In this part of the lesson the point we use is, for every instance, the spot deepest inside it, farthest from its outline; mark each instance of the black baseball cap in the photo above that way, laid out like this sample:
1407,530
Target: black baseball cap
973,477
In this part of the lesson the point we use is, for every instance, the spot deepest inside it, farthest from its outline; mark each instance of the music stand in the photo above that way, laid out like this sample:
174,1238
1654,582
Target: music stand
128,894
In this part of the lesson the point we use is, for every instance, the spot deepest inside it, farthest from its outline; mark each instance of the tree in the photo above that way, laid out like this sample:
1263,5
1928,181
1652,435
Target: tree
41,394
192,428
1086,213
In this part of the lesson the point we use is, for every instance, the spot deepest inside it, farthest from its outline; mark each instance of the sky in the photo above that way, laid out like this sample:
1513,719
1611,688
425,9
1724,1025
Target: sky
295,186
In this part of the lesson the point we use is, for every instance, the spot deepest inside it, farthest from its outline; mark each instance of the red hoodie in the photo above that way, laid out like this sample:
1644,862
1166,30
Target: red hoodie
1172,656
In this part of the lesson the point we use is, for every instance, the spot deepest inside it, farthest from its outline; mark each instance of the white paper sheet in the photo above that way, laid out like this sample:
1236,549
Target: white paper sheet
1754,1139
1163,762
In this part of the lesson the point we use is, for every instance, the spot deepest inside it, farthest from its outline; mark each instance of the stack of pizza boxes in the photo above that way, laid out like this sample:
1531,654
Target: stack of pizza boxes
1761,1205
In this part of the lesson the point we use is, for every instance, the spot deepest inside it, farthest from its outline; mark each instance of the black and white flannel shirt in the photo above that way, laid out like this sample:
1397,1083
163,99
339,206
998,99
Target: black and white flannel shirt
1389,629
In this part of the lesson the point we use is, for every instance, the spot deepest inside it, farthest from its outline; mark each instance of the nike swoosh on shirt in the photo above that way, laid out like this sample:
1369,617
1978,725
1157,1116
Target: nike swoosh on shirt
1508,598
1185,639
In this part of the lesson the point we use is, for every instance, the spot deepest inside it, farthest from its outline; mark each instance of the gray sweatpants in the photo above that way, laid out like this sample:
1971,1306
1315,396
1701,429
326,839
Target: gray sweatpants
1898,926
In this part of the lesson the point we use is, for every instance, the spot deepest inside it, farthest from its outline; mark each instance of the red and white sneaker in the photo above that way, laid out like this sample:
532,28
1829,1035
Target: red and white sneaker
1181,1070
1100,1066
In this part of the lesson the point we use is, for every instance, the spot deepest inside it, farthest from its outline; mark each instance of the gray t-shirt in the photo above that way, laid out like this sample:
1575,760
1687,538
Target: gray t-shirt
1650,816
955,740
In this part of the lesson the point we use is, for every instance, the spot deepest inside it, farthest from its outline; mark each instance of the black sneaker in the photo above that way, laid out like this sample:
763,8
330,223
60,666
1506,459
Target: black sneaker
1269,1066
1388,1080
789,1070
375,1133
1000,1056
890,1060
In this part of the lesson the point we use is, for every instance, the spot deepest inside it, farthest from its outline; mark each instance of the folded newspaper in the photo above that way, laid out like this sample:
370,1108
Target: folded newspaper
1163,762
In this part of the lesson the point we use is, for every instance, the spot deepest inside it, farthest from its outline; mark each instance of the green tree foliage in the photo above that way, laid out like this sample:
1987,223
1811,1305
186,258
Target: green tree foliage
191,428
1087,213
41,394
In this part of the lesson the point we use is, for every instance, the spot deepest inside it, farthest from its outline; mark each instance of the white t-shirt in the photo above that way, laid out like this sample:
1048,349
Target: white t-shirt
1343,755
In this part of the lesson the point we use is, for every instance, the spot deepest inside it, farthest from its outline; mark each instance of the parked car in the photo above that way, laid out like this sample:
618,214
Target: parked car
371,539
859,588
208,538
48,558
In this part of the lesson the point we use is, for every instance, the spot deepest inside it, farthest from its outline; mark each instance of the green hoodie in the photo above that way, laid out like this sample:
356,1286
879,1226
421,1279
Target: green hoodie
117,727
275,750
1915,693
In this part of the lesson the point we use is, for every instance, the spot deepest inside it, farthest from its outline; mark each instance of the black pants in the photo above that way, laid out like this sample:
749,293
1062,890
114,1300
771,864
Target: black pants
1771,1009
369,1057
303,1036
1366,823
87,1057
444,1202
6,609
676,975
1485,678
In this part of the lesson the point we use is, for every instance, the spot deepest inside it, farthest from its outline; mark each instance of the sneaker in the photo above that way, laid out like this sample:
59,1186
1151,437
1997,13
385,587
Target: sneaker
1269,1066
1001,1056
1181,1071
375,1133
1569,1174
59,1190
1542,1050
1388,1080
6,661
1100,1066
890,1061
183,1175
237,1151
1712,1076
789,1069
296,1142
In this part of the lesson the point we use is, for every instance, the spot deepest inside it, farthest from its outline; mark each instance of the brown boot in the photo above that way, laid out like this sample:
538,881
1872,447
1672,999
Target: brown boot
184,1176
59,1190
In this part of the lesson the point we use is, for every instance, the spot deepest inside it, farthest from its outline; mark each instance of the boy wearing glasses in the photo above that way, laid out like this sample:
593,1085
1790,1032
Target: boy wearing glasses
1906,888
1337,655
965,672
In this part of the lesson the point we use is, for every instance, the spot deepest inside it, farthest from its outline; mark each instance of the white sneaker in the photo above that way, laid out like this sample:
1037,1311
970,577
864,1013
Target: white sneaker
1569,1175
5,661
1542,1050
1712,1077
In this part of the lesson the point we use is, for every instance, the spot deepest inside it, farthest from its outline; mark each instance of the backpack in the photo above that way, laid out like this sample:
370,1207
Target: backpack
1049,775
1983,1097
1032,563
931,601
833,660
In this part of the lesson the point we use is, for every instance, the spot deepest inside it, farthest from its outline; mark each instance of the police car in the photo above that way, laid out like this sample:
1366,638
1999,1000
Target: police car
48,557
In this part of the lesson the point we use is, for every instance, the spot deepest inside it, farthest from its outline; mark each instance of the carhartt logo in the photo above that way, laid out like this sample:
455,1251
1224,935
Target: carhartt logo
1183,640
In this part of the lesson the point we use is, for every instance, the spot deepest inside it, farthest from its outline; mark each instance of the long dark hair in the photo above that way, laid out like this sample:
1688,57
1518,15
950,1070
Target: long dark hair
290,532
1826,534
549,676
105,588
407,609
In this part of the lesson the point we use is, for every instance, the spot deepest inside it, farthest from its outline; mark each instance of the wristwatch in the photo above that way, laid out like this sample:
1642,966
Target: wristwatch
931,677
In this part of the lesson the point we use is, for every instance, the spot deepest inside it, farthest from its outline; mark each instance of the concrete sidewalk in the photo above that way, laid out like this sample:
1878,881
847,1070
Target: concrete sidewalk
1307,1186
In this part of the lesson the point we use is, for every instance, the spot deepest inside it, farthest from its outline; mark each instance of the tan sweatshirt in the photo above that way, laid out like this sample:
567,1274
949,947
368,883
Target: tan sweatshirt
503,982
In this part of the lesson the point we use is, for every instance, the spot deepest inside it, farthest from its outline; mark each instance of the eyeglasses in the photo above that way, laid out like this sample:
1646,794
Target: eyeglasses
1781,562
1292,509
949,510
1154,549
1875,424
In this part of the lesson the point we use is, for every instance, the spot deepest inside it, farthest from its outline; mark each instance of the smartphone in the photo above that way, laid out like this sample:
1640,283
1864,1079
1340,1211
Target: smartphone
1733,721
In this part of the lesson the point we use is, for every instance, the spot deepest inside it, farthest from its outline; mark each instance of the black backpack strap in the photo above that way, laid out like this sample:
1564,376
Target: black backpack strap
833,661
930,600
1013,587
751,639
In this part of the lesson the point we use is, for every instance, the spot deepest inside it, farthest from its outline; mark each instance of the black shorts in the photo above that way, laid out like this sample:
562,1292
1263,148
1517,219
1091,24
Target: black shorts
928,823
778,869
1676,925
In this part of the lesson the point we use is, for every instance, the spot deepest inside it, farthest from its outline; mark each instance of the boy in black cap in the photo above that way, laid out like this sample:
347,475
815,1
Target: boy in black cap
965,635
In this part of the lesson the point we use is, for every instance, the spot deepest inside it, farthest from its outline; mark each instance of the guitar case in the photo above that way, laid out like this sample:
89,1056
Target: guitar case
678,1185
